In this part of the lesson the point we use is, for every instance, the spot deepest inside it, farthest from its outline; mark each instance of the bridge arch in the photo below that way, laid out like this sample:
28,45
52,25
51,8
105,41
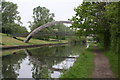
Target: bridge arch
42,27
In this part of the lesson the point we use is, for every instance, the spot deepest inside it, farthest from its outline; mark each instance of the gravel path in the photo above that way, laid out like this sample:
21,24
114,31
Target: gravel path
102,67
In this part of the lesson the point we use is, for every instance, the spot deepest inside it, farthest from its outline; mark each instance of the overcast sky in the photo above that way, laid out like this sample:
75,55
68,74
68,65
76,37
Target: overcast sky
63,9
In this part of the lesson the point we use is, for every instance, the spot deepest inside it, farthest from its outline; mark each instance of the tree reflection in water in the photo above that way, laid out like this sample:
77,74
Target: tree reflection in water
43,61
11,65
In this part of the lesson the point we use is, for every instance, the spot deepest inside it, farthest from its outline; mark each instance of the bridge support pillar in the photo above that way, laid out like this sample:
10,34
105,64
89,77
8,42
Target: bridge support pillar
27,39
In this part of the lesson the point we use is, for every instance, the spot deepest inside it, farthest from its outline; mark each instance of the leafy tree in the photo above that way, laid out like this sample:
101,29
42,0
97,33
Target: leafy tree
89,20
10,20
9,12
112,13
41,15
12,28
99,19
61,29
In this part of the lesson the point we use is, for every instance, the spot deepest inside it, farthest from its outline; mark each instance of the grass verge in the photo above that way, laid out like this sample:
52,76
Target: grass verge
83,66
113,60
9,52
9,41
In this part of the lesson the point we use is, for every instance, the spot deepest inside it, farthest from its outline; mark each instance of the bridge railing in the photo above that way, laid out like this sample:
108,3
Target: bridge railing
45,34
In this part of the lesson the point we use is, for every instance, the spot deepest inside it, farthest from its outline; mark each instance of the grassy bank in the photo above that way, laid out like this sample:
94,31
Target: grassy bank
9,52
83,66
113,60
10,41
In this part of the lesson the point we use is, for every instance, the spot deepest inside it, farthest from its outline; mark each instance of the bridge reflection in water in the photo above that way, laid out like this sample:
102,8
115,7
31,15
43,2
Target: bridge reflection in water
44,62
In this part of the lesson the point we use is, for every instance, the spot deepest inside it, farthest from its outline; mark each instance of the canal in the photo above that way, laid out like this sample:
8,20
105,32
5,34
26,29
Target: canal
40,62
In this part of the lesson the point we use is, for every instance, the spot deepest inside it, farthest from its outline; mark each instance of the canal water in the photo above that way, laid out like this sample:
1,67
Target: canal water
44,62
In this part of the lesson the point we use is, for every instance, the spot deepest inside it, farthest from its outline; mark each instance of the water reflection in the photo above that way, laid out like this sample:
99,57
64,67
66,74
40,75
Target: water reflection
45,62
25,70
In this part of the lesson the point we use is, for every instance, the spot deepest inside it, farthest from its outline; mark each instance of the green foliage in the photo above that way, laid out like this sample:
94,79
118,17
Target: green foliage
10,20
112,13
12,28
101,20
9,12
41,15
61,29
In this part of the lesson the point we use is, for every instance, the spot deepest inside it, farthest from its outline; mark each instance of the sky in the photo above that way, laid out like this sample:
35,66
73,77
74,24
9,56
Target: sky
63,9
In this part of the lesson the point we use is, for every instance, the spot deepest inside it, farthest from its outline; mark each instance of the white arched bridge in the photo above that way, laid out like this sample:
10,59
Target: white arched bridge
42,27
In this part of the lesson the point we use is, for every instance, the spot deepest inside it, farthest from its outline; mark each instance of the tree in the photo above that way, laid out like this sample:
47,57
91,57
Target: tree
112,13
9,12
89,20
10,20
61,29
41,15
99,19
12,28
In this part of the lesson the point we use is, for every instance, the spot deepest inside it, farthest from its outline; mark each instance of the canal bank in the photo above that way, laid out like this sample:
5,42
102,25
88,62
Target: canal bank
30,46
94,63
8,40
83,66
